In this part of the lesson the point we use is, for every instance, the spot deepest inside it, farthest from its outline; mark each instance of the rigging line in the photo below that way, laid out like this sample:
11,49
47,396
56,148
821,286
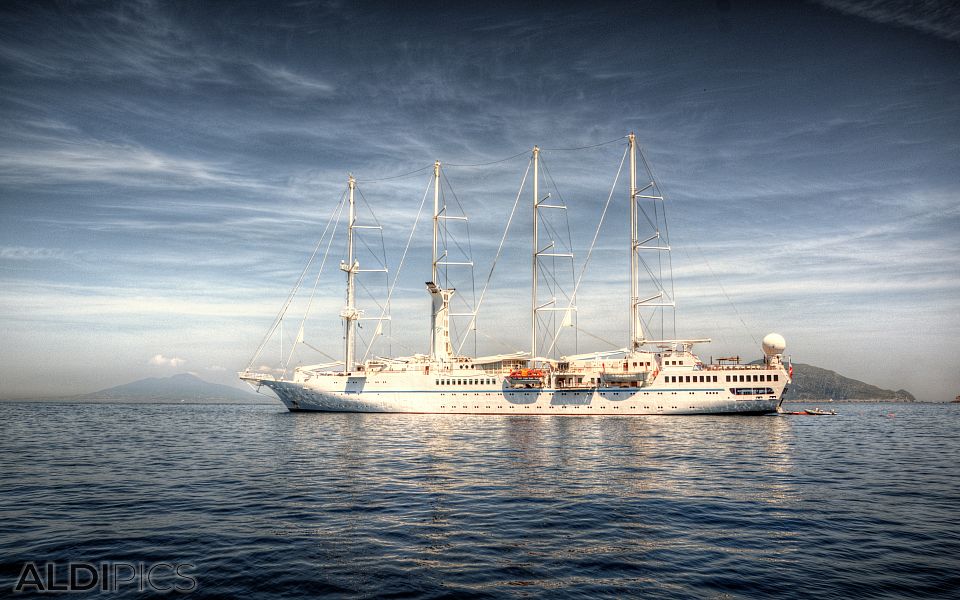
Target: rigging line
732,305
566,217
379,179
397,342
596,337
396,276
496,340
370,294
335,218
666,228
325,355
622,137
503,239
369,208
460,299
383,263
468,253
493,162
293,291
556,188
586,261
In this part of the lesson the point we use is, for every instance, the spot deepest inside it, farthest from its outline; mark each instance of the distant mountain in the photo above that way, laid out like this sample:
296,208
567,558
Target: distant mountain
184,387
814,383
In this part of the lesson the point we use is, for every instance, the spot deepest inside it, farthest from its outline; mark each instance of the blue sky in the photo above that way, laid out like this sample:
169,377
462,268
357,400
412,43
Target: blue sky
166,168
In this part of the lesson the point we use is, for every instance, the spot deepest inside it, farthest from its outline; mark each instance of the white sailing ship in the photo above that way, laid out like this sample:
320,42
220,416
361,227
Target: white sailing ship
647,377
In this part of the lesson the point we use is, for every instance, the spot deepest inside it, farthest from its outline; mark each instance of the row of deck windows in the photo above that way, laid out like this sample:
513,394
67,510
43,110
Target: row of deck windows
691,378
484,381
760,377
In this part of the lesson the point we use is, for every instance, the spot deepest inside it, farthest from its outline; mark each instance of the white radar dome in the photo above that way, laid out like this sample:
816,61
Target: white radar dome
773,344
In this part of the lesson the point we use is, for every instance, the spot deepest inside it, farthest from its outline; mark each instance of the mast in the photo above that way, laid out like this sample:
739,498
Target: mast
636,329
440,346
351,266
536,250
436,217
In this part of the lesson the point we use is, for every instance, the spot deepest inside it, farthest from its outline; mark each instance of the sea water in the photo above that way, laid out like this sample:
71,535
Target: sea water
254,501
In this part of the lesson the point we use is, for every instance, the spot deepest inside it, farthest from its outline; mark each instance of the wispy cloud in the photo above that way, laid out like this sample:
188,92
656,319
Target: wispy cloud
938,17
61,155
29,254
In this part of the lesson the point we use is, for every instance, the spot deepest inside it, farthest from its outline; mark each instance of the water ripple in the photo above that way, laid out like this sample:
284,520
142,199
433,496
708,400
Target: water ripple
269,503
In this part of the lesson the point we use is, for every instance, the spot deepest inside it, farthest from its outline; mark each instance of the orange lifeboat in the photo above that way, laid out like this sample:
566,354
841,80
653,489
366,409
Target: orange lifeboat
526,376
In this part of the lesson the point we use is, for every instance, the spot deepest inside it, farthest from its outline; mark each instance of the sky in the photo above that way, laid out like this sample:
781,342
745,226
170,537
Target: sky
167,168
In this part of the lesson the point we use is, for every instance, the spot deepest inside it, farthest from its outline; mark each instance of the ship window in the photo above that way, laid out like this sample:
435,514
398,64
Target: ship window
776,378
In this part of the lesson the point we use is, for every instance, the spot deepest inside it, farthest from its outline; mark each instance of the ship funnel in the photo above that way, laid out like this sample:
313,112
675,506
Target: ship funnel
773,344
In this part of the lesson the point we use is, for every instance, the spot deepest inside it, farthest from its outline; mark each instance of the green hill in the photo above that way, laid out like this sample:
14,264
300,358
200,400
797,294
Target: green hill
814,383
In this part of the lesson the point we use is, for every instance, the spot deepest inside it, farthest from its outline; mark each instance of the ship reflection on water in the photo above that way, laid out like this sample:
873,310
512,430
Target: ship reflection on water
519,501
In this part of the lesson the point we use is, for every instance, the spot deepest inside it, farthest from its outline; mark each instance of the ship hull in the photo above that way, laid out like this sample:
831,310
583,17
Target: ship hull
299,397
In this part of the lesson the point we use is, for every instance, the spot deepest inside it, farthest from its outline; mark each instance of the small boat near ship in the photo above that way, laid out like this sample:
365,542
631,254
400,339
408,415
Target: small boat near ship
650,376
811,412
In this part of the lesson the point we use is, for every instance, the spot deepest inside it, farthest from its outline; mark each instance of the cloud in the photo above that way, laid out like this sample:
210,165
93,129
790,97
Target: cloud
160,360
63,156
941,18
24,253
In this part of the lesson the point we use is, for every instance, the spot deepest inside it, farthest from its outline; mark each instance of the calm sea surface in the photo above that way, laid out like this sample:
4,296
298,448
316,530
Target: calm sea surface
259,502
